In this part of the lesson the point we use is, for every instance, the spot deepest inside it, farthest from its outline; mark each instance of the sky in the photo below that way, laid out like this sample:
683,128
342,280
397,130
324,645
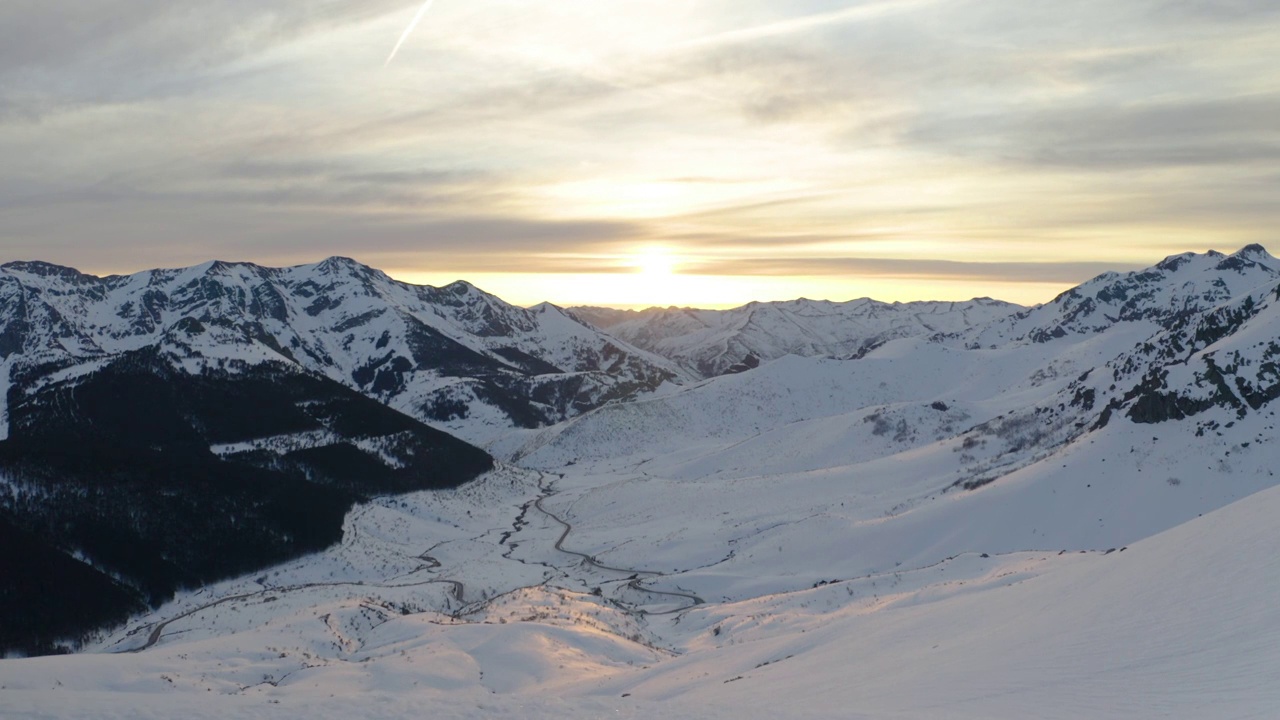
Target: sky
629,153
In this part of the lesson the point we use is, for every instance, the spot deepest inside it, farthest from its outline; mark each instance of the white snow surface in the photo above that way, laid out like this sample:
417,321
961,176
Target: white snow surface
1179,625
798,541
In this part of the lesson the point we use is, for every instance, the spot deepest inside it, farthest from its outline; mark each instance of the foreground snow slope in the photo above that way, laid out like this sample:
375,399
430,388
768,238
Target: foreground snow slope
1181,625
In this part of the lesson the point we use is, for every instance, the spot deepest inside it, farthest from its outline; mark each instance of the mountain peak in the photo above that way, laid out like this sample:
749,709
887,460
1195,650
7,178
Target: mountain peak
339,263
1249,256
1167,295
225,267
460,287
1253,252
544,307
1173,262
43,269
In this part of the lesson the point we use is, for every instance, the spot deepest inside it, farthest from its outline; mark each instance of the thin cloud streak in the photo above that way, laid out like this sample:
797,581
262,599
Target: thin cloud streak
911,268
1061,273
413,24
863,12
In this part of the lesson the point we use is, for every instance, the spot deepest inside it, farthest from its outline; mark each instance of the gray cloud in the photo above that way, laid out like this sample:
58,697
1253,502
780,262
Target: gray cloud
918,268
59,54
161,35
179,232
1233,11
1220,131
1153,82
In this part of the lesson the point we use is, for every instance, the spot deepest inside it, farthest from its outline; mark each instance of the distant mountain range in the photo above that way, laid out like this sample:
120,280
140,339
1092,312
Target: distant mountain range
715,342
454,356
1193,334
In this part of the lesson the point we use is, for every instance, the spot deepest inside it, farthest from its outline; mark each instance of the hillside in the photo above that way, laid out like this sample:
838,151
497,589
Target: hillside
147,478
1177,625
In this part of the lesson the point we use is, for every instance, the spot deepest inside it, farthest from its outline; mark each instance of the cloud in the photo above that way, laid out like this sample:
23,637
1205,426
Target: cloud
168,35
60,54
1231,131
1231,11
861,12
911,268
176,231
555,135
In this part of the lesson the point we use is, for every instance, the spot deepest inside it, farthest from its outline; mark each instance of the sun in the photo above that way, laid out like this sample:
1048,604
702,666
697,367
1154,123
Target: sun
655,277
655,262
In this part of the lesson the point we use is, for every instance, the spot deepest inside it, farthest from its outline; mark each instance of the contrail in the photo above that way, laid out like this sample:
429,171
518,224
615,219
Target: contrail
864,11
409,30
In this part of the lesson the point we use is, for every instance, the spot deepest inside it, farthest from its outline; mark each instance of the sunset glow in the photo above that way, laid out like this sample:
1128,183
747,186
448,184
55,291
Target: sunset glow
904,150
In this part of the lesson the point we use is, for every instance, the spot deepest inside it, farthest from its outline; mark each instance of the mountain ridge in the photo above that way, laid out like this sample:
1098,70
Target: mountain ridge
428,351
716,342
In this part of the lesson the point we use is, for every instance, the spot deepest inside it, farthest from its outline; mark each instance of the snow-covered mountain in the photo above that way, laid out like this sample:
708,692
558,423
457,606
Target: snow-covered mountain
455,357
1114,344
1173,293
270,399
1064,512
716,342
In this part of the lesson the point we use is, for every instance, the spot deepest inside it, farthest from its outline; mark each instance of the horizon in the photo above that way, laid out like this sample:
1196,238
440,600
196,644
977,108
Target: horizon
641,275
645,153
523,289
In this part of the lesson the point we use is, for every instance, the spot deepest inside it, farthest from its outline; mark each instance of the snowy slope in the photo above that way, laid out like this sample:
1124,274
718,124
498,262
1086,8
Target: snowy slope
714,342
1178,625
935,446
